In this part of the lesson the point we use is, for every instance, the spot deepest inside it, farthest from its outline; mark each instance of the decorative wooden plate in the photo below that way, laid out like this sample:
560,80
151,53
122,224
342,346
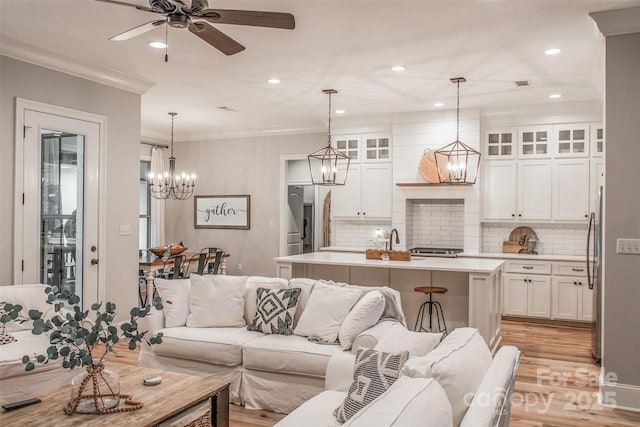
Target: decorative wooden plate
428,170
521,235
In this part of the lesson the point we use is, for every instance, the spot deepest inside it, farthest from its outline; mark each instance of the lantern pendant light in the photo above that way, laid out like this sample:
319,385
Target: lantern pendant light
328,166
457,163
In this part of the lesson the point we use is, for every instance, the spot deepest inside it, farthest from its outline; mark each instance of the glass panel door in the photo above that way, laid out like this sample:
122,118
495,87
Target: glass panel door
61,210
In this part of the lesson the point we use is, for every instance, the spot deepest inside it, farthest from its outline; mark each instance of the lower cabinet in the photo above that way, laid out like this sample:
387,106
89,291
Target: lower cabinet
571,299
551,290
527,295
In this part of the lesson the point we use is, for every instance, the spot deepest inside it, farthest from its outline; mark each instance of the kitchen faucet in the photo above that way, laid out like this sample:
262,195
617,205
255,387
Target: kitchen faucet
391,238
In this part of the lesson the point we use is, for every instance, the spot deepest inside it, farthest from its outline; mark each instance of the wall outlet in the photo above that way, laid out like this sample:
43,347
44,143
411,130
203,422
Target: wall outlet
628,246
125,230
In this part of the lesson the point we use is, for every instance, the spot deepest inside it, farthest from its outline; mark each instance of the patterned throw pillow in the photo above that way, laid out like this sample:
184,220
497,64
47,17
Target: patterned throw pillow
373,374
275,311
5,338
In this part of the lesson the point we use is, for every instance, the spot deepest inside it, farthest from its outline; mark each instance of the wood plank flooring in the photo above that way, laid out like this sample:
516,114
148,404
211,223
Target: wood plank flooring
556,383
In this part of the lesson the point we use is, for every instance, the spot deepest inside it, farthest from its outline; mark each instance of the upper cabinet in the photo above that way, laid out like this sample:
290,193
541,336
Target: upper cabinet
369,187
543,173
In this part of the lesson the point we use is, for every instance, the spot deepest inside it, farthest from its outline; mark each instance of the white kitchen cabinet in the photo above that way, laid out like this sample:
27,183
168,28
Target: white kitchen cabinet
571,140
348,145
597,140
571,189
500,144
367,192
534,190
596,172
534,142
499,185
517,190
527,295
376,148
571,298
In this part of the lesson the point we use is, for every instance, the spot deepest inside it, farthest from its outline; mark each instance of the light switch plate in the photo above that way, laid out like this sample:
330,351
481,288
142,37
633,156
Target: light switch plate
125,230
628,246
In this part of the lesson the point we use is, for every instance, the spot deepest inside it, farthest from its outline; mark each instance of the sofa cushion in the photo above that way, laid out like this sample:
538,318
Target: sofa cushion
220,346
30,297
315,412
306,286
26,344
251,297
325,311
458,364
216,301
488,399
399,338
408,402
275,311
288,354
373,374
362,316
175,297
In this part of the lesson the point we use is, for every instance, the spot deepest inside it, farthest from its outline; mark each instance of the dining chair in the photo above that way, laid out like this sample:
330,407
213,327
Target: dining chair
172,268
202,259
213,266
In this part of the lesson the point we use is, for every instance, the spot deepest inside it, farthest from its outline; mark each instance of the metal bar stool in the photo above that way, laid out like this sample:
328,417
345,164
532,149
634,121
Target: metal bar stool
430,290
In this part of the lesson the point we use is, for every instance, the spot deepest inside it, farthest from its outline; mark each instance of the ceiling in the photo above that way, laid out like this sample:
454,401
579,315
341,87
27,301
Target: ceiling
348,45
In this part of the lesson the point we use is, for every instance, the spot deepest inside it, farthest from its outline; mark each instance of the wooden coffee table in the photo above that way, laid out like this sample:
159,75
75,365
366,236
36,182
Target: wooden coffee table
175,396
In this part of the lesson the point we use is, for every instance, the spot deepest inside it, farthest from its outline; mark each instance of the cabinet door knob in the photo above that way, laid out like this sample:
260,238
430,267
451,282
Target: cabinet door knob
364,213
575,283
519,214
358,213
586,216
513,214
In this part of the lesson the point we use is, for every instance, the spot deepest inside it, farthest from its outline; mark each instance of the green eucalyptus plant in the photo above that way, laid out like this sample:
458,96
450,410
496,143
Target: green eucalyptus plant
74,334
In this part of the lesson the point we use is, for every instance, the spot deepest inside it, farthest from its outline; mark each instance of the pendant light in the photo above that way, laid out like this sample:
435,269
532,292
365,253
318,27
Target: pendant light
168,184
457,163
328,166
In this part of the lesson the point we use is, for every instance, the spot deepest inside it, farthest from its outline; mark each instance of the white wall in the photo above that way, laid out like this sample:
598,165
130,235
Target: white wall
238,166
122,109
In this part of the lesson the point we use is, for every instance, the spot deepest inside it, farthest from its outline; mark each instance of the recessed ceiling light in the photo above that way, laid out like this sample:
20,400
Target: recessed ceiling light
273,81
555,95
157,45
438,104
398,68
340,111
552,51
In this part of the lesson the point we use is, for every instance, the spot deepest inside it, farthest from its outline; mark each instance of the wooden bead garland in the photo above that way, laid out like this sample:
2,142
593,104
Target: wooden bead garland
92,375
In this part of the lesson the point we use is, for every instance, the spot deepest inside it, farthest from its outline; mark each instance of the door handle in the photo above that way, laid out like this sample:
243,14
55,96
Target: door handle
94,261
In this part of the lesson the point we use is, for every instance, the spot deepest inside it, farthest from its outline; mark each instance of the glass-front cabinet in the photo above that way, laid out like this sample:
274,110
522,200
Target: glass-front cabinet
534,143
500,144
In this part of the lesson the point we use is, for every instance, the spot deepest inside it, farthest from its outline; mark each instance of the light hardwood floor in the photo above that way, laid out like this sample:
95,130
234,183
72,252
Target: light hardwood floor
556,383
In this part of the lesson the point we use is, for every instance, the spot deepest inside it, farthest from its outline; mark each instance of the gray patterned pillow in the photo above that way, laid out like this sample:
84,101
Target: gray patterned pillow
373,374
275,311
5,338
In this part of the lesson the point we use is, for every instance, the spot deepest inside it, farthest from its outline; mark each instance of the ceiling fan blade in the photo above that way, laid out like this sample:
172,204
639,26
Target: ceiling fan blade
216,38
137,6
136,31
249,17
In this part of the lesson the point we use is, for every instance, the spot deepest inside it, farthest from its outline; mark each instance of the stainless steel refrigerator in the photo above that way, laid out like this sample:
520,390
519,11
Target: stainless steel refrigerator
594,273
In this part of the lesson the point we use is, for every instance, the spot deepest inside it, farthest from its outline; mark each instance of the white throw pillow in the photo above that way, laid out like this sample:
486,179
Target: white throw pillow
408,402
251,296
362,316
216,301
306,286
325,311
175,300
458,364
398,338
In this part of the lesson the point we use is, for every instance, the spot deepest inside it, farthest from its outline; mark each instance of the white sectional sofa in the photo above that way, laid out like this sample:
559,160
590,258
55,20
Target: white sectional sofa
266,371
456,384
15,383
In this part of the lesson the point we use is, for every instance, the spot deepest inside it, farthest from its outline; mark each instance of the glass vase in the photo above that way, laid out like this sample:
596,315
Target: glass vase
94,391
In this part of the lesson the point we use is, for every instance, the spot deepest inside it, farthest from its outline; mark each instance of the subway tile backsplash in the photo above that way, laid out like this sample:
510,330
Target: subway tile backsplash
436,223
355,232
554,239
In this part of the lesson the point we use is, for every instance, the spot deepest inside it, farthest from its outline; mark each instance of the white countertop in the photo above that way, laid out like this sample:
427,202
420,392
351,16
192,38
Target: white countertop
470,265
495,255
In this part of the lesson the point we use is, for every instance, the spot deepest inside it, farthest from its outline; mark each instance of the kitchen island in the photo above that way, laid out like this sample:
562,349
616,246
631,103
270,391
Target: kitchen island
475,285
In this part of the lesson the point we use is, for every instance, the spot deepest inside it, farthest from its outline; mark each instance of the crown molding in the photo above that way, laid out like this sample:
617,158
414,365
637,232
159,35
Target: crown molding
45,58
617,22
233,133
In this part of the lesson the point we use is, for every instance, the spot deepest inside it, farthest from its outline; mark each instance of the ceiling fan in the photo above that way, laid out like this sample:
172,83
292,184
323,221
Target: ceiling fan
177,14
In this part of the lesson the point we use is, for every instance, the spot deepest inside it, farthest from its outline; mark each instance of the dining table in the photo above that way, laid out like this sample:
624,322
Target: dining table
149,263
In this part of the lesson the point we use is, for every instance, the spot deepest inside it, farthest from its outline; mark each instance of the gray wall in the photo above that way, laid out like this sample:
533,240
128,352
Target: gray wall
237,166
622,205
122,109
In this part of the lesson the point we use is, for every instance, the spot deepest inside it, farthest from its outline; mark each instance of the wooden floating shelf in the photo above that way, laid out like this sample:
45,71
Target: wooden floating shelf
431,184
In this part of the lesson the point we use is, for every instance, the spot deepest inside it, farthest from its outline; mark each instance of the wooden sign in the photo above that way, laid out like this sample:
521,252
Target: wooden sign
223,212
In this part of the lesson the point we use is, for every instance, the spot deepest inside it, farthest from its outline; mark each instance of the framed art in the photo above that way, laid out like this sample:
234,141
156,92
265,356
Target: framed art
223,212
